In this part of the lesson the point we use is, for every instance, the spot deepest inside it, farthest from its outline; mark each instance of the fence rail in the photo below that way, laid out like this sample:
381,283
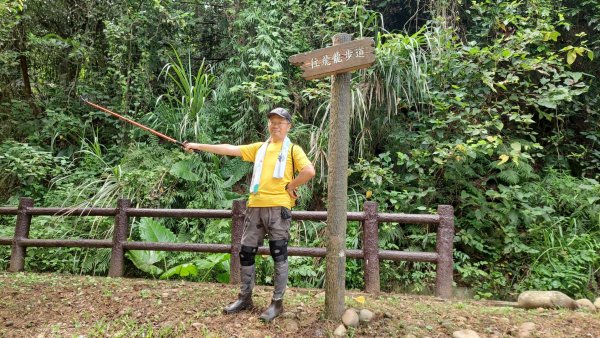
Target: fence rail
369,217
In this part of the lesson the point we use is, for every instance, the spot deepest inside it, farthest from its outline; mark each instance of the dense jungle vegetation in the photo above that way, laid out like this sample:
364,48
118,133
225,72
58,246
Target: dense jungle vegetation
489,105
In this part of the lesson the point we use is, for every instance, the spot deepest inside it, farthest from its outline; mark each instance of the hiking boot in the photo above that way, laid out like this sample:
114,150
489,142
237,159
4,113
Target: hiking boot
280,279
274,310
244,302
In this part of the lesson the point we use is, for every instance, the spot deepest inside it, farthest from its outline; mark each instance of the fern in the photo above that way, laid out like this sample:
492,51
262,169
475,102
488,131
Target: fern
509,176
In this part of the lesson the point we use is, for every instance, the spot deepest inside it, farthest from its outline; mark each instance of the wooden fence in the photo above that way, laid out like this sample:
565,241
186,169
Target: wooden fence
369,217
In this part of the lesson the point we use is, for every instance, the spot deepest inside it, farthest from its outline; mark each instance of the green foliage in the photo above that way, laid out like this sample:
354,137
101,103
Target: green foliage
182,169
256,77
471,123
266,91
146,260
189,96
165,264
27,167
539,222
215,267
183,270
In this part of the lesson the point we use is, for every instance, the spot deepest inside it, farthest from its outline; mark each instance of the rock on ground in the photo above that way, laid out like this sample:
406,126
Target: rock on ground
350,318
340,331
365,316
465,334
586,304
545,299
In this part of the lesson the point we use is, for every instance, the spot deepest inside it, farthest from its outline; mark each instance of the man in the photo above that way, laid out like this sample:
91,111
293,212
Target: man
272,195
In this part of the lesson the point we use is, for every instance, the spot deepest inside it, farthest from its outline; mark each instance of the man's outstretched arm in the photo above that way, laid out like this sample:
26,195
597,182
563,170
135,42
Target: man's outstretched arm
221,149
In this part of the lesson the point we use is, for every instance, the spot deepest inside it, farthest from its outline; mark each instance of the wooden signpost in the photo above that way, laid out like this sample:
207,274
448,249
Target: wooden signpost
339,60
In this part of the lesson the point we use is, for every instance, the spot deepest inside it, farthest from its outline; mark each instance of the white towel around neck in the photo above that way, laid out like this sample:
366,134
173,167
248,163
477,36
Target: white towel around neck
279,165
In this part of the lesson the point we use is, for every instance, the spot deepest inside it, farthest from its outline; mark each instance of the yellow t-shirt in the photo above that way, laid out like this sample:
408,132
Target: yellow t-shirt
271,191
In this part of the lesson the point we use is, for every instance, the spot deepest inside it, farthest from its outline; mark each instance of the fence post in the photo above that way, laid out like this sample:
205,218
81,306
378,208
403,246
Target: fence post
17,255
445,239
117,257
371,247
237,228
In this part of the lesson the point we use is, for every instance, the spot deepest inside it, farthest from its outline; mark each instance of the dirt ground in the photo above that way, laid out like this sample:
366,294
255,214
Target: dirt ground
54,305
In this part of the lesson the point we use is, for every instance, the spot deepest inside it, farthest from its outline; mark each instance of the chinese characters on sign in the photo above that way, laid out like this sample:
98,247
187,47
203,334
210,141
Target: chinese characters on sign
337,57
341,58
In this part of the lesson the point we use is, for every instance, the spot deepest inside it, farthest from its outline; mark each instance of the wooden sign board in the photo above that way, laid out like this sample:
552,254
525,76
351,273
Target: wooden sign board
345,57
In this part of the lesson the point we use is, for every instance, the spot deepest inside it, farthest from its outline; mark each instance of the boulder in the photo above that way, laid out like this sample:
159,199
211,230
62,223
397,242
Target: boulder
350,318
586,304
365,316
340,331
545,299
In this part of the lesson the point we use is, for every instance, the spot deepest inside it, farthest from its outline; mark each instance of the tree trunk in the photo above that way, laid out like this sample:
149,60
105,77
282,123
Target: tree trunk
23,64
337,191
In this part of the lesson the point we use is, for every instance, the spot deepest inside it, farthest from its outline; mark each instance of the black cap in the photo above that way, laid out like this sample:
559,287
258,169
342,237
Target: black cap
281,112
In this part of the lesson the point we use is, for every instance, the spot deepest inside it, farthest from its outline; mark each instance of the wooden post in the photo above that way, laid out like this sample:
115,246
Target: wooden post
444,245
339,60
337,190
237,229
371,248
117,258
17,255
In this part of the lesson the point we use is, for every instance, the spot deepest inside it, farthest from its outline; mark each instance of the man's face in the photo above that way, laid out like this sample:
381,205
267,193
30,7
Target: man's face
278,127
